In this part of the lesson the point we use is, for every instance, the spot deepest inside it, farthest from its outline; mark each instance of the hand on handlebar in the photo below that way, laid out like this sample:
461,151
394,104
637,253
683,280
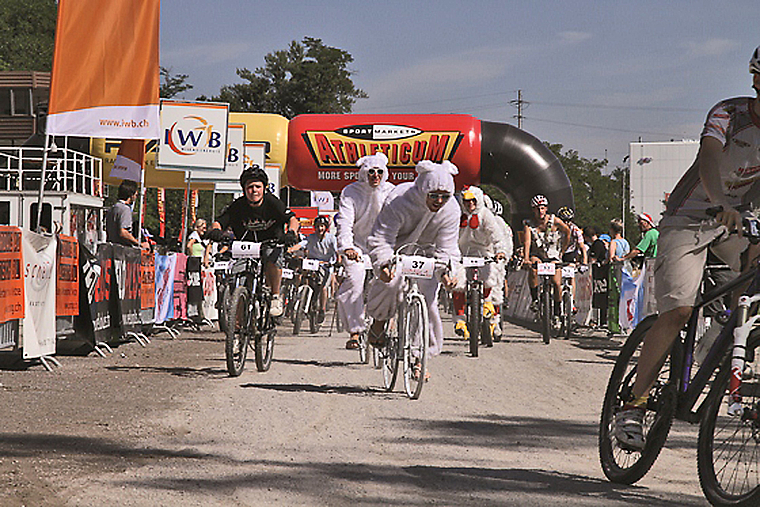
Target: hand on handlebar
732,219
386,273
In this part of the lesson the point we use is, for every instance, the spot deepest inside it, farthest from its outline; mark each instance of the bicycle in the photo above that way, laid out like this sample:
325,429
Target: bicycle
477,325
545,310
222,265
409,344
567,303
249,322
728,451
314,274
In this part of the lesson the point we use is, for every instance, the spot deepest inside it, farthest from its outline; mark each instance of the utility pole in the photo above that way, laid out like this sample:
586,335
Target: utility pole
519,104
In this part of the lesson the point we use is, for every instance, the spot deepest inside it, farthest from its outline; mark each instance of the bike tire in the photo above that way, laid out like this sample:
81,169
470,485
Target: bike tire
238,332
222,309
486,337
363,348
264,350
728,449
619,465
415,341
567,315
474,319
301,308
389,356
546,314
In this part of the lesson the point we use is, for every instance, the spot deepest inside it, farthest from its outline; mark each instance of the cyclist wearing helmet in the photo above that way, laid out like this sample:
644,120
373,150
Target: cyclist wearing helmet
260,216
576,250
723,174
545,238
322,246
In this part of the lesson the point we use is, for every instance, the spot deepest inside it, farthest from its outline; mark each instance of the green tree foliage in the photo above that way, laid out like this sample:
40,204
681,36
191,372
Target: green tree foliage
308,77
171,84
27,34
597,195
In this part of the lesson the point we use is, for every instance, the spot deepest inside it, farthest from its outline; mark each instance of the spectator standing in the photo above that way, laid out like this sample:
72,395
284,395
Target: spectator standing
619,247
196,245
119,217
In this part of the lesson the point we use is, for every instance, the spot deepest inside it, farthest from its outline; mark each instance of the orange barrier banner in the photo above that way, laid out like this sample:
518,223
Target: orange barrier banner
67,277
147,280
11,274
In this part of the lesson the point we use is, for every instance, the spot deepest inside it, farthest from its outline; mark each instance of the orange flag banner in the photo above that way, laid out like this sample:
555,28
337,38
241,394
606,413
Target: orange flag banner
130,160
105,76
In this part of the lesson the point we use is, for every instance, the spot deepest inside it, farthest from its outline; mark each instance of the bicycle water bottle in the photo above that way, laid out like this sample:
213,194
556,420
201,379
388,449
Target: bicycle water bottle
705,343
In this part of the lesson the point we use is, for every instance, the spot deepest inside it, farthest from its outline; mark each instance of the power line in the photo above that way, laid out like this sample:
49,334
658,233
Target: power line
623,108
604,128
438,101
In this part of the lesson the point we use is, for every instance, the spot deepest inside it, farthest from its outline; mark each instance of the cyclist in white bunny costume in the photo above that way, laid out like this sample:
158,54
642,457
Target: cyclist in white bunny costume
420,212
481,235
360,203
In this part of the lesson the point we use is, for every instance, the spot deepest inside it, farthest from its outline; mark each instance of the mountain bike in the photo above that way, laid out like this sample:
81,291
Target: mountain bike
567,304
409,344
545,314
248,321
222,265
314,275
722,394
477,325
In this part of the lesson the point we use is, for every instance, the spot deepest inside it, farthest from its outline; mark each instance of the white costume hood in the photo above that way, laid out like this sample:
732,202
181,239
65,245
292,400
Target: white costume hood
360,204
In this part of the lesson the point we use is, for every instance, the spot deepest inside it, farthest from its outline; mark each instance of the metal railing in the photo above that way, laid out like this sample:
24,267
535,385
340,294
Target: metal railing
67,170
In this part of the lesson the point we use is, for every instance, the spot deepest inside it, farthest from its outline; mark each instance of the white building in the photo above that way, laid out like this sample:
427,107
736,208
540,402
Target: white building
655,170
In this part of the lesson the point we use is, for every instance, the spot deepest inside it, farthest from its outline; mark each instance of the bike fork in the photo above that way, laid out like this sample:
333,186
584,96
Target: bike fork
739,355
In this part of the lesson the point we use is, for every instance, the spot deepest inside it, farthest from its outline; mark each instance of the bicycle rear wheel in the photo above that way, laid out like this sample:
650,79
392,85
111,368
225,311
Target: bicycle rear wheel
474,319
415,339
728,450
238,332
223,298
621,465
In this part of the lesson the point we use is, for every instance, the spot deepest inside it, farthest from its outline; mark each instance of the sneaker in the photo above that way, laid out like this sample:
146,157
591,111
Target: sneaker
461,329
628,429
496,330
276,309
320,316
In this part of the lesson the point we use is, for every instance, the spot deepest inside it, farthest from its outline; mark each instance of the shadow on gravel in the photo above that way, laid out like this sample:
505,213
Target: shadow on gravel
361,484
320,389
314,362
177,371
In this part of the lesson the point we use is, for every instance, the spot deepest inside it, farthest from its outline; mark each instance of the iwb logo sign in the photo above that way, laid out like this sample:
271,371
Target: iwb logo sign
194,135
322,200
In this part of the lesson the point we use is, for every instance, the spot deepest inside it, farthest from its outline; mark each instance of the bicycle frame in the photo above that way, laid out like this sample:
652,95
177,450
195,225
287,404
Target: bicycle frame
682,356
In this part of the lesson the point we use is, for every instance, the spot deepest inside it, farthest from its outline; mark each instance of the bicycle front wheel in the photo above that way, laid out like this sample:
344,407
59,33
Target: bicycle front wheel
546,313
567,314
389,360
415,341
302,306
626,466
728,450
474,320
223,298
238,331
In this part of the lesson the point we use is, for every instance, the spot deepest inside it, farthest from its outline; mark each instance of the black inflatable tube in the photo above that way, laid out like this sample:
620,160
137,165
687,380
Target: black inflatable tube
521,166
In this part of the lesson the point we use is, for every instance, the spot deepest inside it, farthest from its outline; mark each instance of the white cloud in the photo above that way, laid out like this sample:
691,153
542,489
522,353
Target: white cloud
711,47
570,37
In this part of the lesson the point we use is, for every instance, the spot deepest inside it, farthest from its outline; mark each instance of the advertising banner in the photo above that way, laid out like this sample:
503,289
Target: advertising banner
9,334
235,162
323,148
147,280
208,279
105,69
38,333
193,135
11,274
126,266
180,287
306,218
269,129
165,265
194,288
99,273
67,277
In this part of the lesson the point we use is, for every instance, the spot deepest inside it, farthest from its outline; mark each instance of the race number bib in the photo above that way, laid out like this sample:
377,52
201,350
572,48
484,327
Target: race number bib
416,266
310,265
222,265
246,250
287,274
568,272
546,268
473,262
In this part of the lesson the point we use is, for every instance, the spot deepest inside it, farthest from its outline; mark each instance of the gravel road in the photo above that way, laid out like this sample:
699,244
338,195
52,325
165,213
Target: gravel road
164,425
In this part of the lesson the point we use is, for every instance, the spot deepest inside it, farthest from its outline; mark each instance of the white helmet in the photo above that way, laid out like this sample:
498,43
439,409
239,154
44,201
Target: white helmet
754,62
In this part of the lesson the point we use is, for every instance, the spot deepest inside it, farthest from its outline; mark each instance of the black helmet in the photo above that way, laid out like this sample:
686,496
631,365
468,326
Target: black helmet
253,173
565,214
321,219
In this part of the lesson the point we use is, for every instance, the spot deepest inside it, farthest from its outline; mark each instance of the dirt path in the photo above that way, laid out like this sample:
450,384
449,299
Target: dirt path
164,425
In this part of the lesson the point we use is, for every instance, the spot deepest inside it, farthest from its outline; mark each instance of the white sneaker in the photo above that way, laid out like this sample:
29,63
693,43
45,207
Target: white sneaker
275,310
497,329
628,429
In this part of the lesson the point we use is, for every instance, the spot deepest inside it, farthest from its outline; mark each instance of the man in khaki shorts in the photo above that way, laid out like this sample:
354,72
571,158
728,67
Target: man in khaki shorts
725,173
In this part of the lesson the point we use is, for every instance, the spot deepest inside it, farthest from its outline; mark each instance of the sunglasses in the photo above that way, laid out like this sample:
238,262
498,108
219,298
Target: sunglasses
439,196
468,201
373,172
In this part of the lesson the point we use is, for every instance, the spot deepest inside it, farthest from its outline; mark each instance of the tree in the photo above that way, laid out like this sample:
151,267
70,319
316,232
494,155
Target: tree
27,34
172,85
597,195
308,77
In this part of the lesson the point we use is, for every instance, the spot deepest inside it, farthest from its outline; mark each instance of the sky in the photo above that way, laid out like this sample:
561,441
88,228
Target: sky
594,75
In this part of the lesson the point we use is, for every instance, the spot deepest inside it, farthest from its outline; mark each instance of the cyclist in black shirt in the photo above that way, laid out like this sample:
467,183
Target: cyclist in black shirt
260,216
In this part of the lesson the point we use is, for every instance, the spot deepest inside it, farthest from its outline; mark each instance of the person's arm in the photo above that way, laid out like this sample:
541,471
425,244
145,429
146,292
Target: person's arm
708,158
128,238
565,231
633,253
584,249
526,244
190,242
611,251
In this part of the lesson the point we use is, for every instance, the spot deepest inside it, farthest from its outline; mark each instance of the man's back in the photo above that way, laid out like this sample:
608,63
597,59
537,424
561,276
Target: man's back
117,218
